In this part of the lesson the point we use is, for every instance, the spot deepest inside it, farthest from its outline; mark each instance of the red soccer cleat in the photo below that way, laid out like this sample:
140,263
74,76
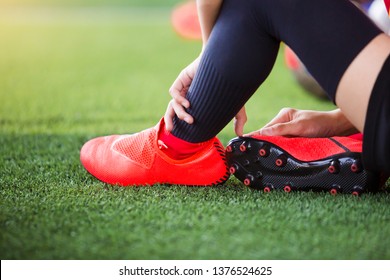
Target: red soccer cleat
138,160
301,164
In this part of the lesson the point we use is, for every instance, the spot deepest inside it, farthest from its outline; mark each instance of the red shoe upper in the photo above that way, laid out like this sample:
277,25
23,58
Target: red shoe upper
311,149
137,159
387,4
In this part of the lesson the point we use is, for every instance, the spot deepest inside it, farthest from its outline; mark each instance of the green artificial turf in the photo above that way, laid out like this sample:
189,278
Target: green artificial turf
69,75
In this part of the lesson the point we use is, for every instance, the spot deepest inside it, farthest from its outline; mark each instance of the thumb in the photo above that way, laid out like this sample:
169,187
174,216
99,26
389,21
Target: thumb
239,126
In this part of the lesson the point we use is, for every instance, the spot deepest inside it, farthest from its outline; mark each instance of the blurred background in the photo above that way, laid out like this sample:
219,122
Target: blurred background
106,66
79,63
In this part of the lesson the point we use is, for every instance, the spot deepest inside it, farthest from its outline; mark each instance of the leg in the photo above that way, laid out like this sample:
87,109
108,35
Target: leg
239,56
357,83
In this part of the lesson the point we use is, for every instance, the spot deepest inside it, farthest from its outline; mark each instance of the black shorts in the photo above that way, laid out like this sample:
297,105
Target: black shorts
376,143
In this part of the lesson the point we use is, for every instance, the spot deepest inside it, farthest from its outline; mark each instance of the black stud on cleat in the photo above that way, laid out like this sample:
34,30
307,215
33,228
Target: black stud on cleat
335,189
287,188
245,146
281,161
356,166
259,174
357,190
268,188
264,151
248,180
233,169
229,149
334,167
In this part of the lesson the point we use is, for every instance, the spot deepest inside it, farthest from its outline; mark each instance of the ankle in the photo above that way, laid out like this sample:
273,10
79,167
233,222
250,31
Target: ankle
175,147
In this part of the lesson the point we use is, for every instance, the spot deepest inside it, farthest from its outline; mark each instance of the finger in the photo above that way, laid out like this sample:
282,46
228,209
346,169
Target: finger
239,127
279,129
285,115
240,121
183,80
179,97
168,117
180,87
181,113
282,129
252,133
